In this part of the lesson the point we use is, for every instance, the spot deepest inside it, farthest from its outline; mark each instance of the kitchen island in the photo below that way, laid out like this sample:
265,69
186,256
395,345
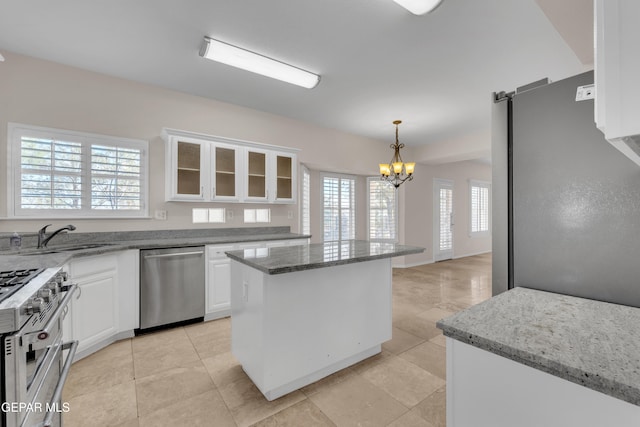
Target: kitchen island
532,358
303,312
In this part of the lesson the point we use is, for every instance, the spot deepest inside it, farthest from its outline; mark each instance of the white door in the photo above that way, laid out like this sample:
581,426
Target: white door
442,219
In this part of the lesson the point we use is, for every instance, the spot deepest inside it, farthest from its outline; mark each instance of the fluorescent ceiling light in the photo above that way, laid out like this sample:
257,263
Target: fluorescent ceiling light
419,7
256,63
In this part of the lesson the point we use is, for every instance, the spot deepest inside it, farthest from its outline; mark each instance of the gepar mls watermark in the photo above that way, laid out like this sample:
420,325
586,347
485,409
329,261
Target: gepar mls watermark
35,407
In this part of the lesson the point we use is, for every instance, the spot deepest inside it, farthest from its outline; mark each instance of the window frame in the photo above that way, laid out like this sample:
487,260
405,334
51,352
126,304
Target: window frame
480,184
395,224
352,207
15,133
305,201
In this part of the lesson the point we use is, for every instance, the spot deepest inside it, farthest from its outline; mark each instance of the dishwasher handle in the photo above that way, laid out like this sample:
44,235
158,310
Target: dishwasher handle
177,254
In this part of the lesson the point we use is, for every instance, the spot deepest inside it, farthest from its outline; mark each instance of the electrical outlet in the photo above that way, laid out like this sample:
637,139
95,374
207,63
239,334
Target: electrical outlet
161,214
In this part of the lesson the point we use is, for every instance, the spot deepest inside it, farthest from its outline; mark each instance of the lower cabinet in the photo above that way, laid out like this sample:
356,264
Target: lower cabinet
104,308
218,274
218,279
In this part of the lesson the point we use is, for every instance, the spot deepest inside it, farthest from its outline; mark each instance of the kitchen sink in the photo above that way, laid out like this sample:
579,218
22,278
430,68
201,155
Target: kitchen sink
69,248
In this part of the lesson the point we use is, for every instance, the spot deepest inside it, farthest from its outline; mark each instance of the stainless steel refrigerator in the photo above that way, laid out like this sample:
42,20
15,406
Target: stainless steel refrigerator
566,203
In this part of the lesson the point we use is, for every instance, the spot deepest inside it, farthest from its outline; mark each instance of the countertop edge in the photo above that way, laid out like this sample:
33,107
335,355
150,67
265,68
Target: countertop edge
607,385
312,266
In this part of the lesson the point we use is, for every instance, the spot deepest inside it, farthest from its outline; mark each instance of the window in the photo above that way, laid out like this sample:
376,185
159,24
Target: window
480,208
383,208
202,215
305,206
257,215
338,207
60,173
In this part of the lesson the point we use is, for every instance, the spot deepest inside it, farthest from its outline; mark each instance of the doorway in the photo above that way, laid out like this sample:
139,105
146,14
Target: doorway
442,219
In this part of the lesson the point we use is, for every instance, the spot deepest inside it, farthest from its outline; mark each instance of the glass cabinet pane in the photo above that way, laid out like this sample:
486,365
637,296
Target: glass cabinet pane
283,177
225,184
257,165
188,168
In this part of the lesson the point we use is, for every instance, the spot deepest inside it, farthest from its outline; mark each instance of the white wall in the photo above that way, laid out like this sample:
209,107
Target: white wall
42,93
417,214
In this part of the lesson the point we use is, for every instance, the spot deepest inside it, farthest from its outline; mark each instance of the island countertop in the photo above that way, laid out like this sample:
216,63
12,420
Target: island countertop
288,259
591,343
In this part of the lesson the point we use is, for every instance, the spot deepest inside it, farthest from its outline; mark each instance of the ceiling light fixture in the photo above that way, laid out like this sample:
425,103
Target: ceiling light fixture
419,7
241,58
396,172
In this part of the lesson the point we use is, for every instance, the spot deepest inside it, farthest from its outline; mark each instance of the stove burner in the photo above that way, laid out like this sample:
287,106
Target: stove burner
11,281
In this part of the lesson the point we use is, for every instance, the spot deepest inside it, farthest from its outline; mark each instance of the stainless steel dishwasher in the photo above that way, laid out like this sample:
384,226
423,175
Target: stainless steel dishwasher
171,286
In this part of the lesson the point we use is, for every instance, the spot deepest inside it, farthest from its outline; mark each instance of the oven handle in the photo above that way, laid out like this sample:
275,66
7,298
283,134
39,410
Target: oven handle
44,333
71,346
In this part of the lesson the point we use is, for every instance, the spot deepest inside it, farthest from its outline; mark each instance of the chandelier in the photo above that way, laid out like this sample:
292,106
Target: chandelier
396,172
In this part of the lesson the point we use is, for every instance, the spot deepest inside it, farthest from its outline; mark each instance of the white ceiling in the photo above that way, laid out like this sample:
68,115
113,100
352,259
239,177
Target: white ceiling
378,62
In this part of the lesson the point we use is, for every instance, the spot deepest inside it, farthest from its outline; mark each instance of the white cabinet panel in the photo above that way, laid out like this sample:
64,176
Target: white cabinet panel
617,71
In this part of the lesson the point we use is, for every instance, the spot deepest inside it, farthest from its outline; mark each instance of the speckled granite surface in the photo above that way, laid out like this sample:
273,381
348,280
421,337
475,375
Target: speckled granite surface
288,259
591,343
32,258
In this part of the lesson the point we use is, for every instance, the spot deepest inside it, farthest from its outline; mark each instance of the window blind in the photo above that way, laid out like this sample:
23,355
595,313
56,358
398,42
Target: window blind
338,208
382,210
60,173
479,202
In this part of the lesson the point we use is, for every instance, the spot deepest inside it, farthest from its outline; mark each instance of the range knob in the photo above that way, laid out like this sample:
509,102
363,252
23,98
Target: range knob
33,306
45,294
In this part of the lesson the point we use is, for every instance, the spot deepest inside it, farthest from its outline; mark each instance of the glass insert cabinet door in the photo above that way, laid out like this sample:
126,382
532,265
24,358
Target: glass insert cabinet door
226,175
284,177
257,174
189,169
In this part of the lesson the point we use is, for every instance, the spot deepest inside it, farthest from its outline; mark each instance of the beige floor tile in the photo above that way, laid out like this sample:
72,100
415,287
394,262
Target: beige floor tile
104,408
210,338
357,402
108,367
428,356
206,409
439,340
406,382
170,386
401,341
248,405
435,314
304,413
433,408
161,351
417,326
224,369
411,419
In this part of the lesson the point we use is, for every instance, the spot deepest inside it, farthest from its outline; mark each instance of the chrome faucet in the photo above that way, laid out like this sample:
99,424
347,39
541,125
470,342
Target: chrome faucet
43,239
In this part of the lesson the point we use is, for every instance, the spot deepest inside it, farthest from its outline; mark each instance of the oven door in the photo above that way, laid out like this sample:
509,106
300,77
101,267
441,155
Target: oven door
34,371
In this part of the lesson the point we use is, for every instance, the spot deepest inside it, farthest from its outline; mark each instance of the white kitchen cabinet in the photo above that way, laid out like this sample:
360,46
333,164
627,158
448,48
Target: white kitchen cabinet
206,168
617,67
94,311
218,279
257,175
105,306
284,182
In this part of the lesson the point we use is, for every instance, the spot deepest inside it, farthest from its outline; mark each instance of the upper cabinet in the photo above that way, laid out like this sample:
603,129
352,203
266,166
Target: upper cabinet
209,168
617,67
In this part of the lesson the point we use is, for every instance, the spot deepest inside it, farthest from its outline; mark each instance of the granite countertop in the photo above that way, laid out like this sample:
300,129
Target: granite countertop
591,343
288,259
55,255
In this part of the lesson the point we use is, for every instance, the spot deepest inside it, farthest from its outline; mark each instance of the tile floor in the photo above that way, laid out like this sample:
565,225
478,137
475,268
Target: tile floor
187,376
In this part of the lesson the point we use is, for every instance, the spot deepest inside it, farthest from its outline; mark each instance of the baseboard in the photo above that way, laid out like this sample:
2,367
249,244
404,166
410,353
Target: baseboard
472,254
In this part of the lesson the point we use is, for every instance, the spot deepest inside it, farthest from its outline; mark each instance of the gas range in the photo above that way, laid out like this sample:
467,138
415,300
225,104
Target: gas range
11,281
25,292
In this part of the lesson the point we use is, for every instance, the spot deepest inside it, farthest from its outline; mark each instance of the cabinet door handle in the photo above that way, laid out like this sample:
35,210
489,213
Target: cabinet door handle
202,191
213,193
